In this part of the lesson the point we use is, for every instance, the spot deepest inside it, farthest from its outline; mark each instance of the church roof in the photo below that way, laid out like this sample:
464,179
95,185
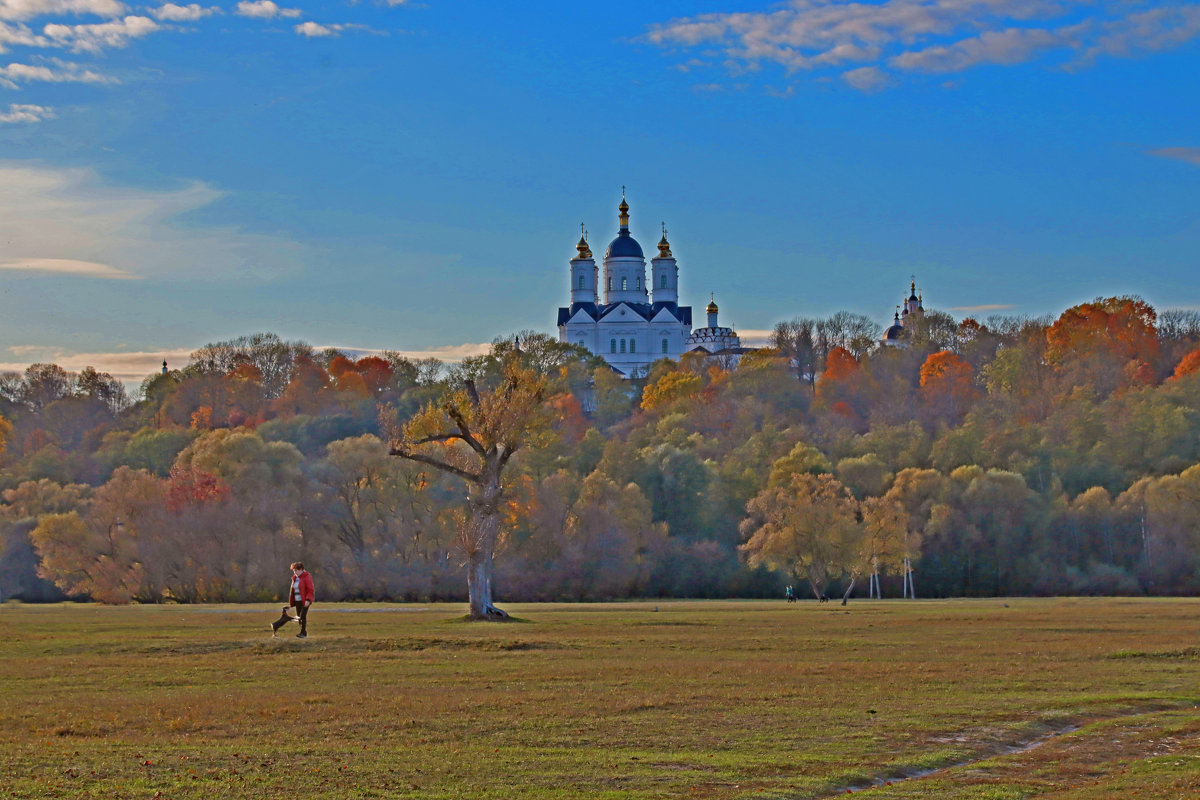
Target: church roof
624,246
647,311
565,314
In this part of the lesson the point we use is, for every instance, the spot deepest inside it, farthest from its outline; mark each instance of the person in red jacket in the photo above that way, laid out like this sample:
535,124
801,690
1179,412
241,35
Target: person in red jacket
300,596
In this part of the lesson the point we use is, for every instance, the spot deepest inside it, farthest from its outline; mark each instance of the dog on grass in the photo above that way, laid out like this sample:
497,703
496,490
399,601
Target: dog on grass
284,619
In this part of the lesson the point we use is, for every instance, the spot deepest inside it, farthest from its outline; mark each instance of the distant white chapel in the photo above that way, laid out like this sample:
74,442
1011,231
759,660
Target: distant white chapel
640,320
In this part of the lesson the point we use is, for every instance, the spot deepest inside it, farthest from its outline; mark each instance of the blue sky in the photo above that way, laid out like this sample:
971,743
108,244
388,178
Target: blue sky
412,176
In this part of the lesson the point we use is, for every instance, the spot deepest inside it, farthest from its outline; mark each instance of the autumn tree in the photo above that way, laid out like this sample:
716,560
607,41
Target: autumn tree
884,540
1106,344
807,527
473,433
947,385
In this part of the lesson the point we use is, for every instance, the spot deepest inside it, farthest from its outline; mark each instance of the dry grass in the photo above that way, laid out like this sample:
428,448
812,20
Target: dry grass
694,699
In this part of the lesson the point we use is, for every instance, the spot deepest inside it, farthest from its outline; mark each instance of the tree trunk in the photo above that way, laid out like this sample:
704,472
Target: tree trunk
479,542
849,589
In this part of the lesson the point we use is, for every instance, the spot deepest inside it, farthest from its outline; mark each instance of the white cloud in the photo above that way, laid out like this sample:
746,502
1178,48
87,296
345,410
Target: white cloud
62,72
1188,154
25,113
1146,32
170,12
314,30
925,35
264,9
20,35
28,9
66,266
867,79
1011,46
70,215
94,38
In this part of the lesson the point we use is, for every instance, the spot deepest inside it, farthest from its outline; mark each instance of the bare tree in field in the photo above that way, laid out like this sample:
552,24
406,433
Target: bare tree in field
473,433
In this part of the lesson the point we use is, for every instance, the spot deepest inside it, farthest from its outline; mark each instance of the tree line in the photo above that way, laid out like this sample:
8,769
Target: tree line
994,457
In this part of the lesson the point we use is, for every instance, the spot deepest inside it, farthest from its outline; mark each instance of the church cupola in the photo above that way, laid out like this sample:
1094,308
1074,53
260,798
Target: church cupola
583,272
711,310
624,264
664,272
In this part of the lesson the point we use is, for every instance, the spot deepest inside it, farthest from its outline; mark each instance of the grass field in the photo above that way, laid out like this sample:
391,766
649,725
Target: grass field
998,699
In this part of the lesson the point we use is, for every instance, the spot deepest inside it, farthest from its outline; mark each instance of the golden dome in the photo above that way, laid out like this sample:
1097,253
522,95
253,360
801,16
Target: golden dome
664,247
582,247
712,307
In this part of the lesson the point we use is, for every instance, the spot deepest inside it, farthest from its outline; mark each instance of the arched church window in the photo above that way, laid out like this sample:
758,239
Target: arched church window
624,284
662,281
664,344
639,282
612,345
609,285
633,345
580,281
622,345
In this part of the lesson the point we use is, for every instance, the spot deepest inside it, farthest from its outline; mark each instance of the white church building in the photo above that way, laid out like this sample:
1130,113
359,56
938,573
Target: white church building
639,321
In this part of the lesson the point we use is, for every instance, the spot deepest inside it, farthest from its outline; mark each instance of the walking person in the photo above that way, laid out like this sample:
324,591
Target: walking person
301,595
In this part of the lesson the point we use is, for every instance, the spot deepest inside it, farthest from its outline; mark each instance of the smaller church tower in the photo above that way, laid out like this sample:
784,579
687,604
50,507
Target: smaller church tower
664,271
583,272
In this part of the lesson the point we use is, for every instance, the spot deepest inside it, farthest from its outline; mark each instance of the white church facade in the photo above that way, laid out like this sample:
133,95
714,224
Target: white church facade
638,319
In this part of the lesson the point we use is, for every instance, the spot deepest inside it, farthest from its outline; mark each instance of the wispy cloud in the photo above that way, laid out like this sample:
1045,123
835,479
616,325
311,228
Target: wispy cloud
264,9
868,79
932,36
58,72
985,307
1188,154
19,35
171,12
66,266
133,367
52,215
450,353
29,9
754,337
94,38
130,368
25,113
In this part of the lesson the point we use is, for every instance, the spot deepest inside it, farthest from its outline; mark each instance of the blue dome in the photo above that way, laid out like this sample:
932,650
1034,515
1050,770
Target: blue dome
624,246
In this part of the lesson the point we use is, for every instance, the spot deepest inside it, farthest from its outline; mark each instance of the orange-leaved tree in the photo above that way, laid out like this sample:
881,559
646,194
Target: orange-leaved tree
1107,344
947,385
473,432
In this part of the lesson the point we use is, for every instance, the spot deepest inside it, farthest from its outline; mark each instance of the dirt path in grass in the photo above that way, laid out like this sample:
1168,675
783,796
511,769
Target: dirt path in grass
1096,759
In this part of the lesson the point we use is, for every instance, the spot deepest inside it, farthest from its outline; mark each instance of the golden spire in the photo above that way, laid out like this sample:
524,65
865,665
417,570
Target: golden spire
664,248
582,247
624,209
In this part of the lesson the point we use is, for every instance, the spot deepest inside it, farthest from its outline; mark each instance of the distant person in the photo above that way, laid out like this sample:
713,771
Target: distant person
789,594
300,596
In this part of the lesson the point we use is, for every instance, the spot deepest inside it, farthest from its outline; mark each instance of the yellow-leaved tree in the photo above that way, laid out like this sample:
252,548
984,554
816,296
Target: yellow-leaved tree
473,432
807,526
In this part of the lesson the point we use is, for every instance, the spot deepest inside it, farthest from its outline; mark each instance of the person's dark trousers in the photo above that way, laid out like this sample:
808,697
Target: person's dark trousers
302,614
